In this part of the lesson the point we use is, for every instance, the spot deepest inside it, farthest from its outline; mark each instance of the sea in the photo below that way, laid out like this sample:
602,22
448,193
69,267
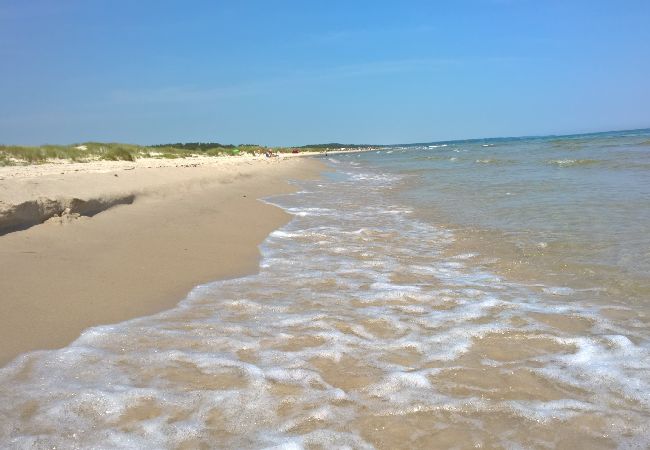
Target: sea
490,293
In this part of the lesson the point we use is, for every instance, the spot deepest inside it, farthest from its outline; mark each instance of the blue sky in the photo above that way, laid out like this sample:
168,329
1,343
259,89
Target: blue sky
297,72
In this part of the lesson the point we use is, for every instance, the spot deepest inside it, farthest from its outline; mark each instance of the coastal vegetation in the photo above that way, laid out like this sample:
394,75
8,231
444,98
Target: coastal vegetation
95,151
335,146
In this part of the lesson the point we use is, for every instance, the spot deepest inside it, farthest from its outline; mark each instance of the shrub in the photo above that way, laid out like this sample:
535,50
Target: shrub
118,154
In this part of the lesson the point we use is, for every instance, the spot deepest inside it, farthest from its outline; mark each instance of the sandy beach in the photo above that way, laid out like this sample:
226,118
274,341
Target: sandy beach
126,239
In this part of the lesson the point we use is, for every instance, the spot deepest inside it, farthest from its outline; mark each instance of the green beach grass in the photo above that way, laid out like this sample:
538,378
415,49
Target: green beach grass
97,151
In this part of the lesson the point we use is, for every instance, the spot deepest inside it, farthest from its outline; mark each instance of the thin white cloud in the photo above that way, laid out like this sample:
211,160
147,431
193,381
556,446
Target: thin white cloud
345,35
179,94
191,94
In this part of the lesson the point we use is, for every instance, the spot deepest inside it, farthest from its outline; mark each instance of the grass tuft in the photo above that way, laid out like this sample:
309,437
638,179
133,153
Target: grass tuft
118,154
93,151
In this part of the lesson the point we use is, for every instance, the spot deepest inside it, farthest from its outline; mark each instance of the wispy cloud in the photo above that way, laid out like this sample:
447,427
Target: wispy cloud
376,68
358,34
199,94
181,94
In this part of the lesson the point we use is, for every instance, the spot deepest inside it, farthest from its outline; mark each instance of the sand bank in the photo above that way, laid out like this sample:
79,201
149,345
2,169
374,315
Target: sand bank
126,239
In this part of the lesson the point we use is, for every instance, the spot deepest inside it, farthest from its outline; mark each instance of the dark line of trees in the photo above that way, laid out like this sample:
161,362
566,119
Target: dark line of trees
201,146
333,145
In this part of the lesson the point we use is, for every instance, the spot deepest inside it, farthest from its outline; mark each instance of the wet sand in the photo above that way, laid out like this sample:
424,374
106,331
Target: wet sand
177,224
367,325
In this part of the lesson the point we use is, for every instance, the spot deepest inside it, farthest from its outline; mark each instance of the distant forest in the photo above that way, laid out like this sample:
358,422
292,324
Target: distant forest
201,146
204,146
333,145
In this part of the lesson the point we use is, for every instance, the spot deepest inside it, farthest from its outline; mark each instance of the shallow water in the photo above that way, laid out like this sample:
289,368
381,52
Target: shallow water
584,200
373,323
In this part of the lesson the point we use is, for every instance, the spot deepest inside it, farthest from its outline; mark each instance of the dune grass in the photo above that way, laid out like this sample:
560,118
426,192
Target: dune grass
33,155
95,151
21,155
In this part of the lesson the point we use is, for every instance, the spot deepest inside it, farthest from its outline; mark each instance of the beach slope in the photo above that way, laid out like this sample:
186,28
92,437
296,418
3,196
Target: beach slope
124,239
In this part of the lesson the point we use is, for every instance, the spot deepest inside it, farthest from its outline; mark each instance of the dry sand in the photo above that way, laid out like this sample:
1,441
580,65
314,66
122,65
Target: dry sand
177,224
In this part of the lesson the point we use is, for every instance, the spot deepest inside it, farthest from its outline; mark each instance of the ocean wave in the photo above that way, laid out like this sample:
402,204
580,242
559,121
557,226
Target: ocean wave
358,330
572,162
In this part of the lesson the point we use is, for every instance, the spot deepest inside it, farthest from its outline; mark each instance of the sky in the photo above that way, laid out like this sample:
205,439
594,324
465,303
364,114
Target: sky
302,72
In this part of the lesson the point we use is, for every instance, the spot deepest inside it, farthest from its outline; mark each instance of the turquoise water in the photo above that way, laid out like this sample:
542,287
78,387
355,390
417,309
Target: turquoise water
578,206
454,296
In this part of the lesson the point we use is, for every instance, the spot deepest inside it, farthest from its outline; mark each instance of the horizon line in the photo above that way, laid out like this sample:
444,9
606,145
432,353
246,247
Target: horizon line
443,141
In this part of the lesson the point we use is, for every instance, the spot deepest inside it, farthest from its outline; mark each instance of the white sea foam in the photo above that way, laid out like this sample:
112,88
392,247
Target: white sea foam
555,290
355,315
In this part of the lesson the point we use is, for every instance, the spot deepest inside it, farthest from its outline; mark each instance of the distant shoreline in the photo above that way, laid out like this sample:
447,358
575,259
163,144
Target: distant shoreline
97,152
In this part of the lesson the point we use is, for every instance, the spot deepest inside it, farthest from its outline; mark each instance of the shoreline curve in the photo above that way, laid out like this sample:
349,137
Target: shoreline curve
183,226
